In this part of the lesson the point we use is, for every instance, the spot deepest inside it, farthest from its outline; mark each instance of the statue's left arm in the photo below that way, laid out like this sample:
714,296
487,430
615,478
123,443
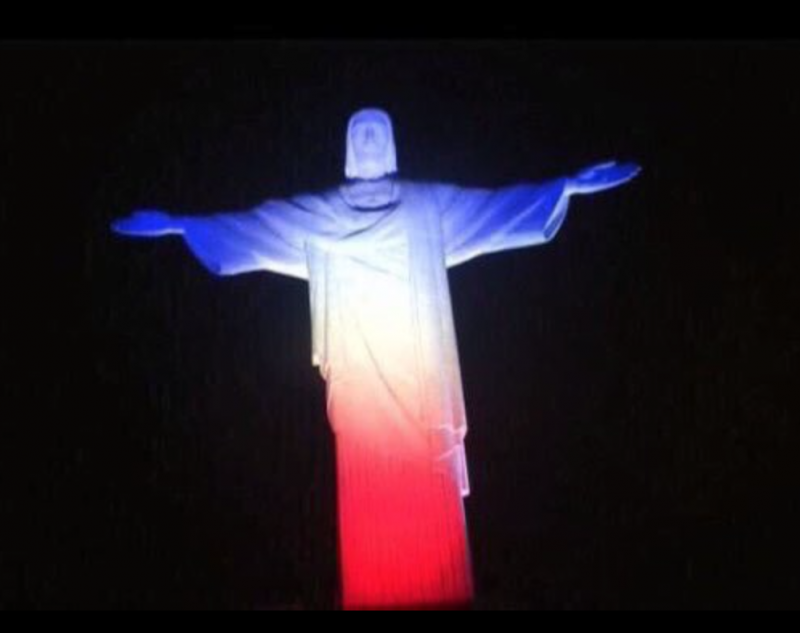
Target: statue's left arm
481,221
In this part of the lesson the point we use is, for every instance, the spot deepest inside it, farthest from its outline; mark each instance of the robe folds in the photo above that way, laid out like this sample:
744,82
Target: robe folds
384,340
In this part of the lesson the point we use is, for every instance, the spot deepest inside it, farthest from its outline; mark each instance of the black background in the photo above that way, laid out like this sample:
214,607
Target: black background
630,387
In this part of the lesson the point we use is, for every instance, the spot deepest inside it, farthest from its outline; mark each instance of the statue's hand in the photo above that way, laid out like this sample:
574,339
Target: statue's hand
147,223
601,177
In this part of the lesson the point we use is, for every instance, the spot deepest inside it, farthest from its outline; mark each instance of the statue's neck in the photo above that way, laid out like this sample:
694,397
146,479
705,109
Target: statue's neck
371,195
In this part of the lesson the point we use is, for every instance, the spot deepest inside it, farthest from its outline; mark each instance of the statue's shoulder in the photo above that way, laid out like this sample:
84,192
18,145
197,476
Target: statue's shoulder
317,199
430,192
428,187
309,205
316,202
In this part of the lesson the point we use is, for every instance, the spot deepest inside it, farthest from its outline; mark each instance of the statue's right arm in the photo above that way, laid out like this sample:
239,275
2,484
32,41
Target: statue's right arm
270,237
148,223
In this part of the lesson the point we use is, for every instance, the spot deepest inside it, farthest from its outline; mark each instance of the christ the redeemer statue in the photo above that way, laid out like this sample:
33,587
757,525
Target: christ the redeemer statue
375,252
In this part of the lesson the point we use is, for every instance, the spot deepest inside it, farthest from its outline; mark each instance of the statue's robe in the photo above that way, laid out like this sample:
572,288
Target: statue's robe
376,257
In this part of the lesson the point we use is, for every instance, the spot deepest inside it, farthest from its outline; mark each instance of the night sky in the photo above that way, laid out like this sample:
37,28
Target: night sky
631,387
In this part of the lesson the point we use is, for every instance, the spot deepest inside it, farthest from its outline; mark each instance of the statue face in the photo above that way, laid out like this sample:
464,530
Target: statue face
370,142
370,139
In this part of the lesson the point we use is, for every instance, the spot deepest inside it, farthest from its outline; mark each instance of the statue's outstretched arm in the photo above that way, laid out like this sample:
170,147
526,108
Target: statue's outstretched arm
602,177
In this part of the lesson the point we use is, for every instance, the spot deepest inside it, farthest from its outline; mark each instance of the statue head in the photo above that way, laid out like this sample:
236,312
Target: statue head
371,151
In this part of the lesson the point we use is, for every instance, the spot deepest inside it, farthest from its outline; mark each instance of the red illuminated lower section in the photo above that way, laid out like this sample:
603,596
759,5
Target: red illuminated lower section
403,537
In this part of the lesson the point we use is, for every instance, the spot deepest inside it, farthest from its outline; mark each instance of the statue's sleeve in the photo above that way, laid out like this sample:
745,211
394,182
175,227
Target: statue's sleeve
477,222
271,237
